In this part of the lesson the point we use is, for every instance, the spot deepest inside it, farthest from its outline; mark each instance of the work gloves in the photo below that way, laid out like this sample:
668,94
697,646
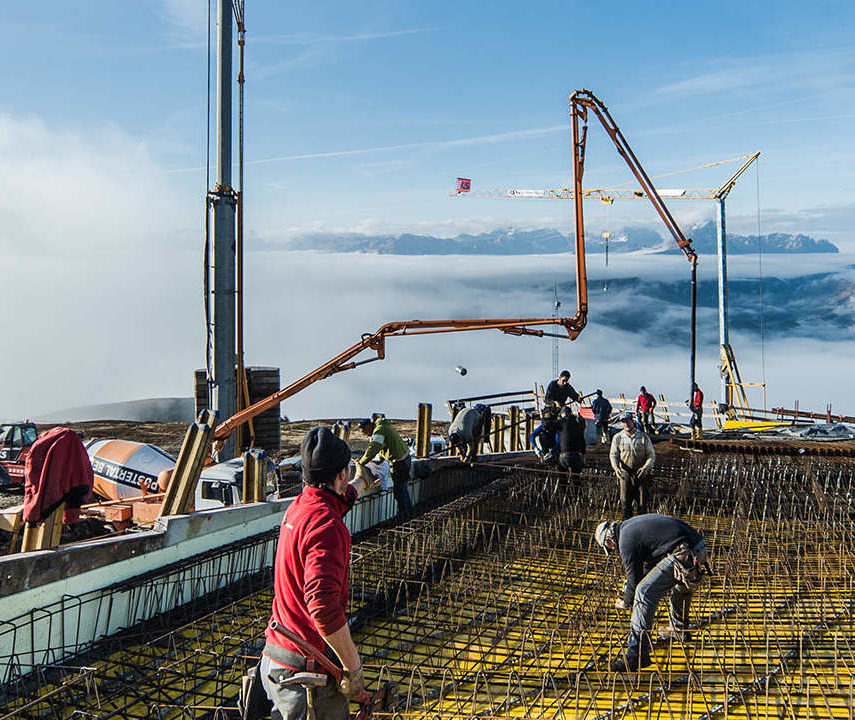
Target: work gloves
621,605
369,478
352,683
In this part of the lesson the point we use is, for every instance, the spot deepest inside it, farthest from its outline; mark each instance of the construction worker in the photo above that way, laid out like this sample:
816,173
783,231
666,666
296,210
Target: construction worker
469,427
602,413
696,405
632,457
311,584
559,391
386,443
660,554
544,439
644,405
571,442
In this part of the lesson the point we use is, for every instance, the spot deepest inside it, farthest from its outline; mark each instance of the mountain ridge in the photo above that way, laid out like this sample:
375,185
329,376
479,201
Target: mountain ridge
544,241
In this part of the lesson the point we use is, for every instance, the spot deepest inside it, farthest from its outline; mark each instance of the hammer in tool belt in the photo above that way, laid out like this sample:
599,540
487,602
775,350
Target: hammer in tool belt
383,698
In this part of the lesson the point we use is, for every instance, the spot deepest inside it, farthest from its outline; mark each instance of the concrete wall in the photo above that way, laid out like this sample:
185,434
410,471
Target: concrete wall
57,603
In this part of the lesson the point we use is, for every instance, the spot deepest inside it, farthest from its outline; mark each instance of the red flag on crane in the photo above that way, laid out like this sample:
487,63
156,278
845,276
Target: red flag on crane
463,185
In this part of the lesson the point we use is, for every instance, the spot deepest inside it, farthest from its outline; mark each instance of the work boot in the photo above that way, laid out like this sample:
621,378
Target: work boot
671,634
629,663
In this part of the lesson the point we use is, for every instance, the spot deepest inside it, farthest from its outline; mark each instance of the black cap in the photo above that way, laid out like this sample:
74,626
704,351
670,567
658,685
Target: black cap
564,373
323,456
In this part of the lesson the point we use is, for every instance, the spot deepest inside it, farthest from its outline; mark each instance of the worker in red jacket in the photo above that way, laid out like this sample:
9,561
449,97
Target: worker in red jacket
644,405
696,405
311,585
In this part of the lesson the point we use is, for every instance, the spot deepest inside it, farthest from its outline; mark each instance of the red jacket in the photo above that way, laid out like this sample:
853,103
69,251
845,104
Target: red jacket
57,469
310,574
645,402
697,401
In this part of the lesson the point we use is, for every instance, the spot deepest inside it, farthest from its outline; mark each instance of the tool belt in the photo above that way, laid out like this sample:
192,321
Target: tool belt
253,702
688,571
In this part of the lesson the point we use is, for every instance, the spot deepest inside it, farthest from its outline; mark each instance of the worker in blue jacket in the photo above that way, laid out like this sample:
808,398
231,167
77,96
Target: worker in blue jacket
602,413
544,439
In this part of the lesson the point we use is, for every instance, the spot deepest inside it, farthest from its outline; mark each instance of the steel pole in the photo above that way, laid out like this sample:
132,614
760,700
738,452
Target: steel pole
721,252
224,396
692,354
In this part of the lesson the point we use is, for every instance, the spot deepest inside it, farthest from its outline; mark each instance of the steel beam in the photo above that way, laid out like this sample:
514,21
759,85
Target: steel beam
223,393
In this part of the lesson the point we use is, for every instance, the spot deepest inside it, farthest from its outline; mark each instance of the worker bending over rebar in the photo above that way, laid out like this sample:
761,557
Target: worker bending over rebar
660,554
544,439
387,444
468,428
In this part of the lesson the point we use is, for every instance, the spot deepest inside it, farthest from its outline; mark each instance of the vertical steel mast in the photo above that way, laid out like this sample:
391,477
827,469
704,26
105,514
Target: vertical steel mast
222,199
728,393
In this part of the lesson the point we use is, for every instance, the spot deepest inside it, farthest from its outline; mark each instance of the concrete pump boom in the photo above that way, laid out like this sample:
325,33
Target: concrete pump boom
377,343
580,102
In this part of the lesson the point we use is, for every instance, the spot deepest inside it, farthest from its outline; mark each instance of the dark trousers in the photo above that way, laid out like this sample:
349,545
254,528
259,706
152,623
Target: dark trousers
400,472
603,431
571,462
697,418
632,490
645,420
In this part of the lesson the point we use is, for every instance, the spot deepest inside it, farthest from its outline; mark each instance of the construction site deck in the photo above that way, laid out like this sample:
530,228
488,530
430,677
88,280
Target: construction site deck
494,601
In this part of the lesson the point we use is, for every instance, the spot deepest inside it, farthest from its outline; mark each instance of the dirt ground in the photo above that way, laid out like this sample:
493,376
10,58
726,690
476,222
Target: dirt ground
170,435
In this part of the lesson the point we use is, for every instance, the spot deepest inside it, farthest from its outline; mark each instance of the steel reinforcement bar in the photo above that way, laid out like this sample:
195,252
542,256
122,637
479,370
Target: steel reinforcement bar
498,604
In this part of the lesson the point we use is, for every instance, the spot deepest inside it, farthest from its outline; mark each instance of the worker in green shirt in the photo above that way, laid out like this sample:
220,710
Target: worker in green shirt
386,443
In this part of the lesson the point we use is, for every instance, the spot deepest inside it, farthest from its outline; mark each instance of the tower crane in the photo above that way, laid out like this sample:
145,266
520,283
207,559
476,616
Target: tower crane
733,389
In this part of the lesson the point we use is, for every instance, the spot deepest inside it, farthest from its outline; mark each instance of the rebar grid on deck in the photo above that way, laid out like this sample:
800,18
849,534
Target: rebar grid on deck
497,605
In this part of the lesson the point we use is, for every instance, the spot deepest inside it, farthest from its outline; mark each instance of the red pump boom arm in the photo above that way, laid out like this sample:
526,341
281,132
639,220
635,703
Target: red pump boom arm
580,102
377,343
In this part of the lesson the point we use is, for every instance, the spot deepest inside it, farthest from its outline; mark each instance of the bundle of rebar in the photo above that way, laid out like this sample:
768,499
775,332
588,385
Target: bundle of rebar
499,604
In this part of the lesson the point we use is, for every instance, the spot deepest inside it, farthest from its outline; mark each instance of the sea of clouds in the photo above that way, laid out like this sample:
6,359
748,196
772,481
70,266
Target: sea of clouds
131,328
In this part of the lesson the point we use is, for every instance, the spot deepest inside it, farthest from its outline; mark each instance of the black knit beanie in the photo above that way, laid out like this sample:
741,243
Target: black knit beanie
323,456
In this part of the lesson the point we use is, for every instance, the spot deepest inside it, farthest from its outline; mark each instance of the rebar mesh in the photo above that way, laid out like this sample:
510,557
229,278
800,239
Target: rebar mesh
497,605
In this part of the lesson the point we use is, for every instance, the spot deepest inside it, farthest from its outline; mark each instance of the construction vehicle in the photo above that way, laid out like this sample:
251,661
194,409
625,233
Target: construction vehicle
581,102
16,439
208,430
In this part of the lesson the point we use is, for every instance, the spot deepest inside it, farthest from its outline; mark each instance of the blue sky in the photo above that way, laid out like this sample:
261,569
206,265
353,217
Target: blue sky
360,115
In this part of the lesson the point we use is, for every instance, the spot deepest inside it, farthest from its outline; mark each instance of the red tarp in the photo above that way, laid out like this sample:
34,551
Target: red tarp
58,469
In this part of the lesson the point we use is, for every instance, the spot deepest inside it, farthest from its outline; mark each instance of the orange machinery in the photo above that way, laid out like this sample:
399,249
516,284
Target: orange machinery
581,102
